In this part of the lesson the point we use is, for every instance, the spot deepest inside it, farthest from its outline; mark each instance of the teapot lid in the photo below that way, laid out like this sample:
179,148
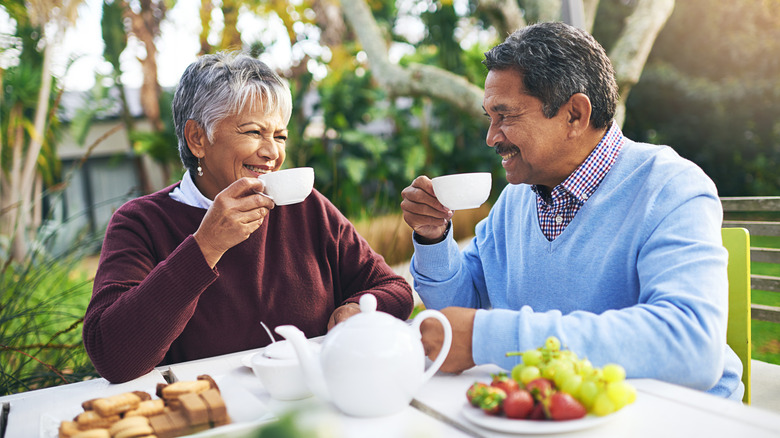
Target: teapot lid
369,317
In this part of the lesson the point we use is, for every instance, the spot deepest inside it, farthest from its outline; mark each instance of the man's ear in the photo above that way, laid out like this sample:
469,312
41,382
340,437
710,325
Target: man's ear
578,111
196,138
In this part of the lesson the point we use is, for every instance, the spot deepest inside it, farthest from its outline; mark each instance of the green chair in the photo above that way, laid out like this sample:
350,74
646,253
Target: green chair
737,242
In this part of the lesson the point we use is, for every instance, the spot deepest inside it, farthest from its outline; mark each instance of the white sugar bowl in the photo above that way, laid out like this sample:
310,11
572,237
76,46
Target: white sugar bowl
280,372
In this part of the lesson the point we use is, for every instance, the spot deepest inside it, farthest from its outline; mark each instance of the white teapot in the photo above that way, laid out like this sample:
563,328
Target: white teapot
370,365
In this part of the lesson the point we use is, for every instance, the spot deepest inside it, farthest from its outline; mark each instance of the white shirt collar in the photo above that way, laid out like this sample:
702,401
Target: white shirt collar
188,193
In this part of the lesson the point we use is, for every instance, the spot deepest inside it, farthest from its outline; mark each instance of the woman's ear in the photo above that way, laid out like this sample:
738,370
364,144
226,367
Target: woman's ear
196,138
578,108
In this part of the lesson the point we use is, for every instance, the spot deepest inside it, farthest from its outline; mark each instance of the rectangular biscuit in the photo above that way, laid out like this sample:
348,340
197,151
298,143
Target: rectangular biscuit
216,407
116,404
147,408
195,409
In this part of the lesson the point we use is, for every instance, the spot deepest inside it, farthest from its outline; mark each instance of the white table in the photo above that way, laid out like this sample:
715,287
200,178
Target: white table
661,409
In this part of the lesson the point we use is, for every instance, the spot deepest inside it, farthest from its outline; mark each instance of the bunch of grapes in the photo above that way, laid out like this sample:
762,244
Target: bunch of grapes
601,391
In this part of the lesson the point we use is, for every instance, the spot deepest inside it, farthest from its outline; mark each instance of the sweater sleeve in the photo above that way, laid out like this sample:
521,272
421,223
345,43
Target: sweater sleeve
363,270
140,304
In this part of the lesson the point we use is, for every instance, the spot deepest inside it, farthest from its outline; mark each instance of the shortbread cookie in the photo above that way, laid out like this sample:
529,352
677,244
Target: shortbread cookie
116,404
92,420
93,433
68,429
147,408
128,423
174,390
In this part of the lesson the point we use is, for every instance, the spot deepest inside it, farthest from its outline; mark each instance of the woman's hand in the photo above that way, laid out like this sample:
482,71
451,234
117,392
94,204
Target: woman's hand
343,312
237,212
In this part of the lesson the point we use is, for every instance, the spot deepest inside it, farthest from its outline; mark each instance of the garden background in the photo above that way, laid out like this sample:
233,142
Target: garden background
698,75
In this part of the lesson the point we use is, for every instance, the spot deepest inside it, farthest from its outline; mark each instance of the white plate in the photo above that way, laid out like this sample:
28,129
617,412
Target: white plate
246,360
503,424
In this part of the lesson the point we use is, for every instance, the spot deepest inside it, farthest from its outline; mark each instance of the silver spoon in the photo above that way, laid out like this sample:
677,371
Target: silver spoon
267,330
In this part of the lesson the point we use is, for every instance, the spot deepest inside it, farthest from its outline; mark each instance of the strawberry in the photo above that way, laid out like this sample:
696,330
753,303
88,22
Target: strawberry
492,400
562,406
503,381
475,393
518,404
540,388
537,413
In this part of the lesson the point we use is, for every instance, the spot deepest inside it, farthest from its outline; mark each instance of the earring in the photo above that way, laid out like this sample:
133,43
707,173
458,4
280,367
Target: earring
200,169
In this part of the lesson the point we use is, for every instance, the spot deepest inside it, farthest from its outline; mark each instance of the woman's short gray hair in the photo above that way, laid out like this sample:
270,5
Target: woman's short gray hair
223,84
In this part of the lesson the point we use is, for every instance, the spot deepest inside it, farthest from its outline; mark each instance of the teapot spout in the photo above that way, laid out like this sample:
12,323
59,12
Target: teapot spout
308,359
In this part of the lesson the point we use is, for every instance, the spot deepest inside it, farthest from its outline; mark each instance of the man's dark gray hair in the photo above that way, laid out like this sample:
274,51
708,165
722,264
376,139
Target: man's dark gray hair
220,85
557,61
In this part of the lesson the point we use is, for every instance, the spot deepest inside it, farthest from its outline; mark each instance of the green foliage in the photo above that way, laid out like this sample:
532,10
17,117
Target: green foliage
114,36
41,310
366,145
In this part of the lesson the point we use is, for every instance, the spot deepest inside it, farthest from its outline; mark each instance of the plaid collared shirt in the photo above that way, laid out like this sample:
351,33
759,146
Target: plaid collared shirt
568,197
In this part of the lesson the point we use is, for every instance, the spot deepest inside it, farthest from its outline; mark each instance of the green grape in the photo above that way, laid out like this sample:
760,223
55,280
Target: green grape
603,405
631,394
619,393
571,385
584,367
613,373
552,344
562,374
569,356
532,357
529,373
516,371
548,372
588,392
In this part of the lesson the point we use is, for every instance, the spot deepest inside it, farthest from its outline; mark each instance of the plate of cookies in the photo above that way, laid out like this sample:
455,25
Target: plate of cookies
186,408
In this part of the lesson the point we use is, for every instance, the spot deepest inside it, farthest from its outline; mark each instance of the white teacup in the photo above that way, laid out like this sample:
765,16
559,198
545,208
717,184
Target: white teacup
279,371
288,186
462,191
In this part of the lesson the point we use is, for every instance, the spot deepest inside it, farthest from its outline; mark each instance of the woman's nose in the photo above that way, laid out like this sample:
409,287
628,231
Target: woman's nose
268,149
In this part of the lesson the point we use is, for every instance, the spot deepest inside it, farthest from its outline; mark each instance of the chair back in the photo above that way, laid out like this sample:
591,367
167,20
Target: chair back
737,242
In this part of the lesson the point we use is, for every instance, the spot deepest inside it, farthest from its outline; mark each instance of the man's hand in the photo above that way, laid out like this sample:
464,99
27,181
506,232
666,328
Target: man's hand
343,312
423,212
462,321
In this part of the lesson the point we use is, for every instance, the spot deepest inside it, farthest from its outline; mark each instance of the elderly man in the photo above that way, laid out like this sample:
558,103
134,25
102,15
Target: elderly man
613,246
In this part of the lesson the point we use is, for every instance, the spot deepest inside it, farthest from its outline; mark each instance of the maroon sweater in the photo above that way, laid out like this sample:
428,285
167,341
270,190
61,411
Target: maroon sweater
156,301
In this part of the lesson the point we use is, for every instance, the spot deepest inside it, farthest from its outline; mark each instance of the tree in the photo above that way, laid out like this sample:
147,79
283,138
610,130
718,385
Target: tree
713,94
628,55
28,127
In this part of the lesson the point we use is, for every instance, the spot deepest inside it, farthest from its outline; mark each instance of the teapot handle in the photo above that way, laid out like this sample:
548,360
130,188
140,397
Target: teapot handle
446,343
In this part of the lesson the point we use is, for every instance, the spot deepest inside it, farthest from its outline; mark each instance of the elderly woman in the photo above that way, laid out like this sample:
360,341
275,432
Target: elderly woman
192,270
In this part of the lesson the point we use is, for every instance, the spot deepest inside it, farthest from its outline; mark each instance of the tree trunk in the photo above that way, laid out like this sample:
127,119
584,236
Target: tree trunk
205,25
27,180
415,80
634,44
628,56
146,27
231,37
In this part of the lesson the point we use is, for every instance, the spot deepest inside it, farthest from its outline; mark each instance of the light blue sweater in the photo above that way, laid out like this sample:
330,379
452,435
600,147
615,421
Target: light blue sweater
637,278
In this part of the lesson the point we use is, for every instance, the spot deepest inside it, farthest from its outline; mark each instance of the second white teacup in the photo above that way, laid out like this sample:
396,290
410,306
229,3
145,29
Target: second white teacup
462,191
288,186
